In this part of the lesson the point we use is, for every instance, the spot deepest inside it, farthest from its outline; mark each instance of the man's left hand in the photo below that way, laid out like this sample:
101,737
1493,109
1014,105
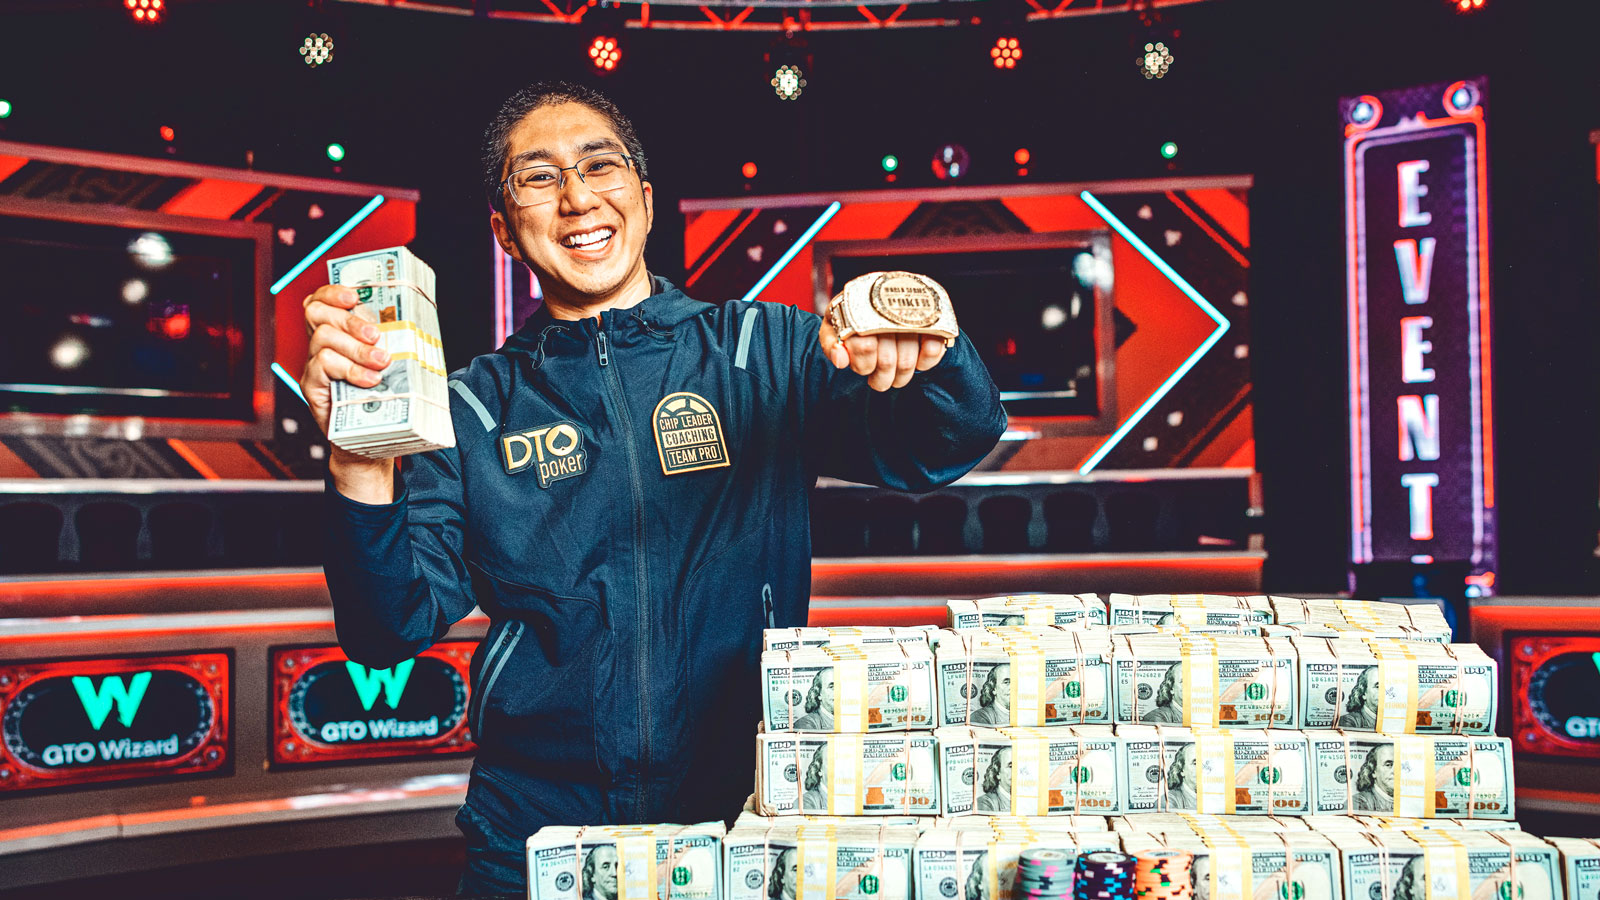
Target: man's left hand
888,360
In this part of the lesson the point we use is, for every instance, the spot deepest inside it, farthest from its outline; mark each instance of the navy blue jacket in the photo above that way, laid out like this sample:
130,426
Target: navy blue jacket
618,681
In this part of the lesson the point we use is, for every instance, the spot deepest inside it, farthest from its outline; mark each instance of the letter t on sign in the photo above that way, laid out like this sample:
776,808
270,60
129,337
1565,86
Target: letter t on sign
1421,486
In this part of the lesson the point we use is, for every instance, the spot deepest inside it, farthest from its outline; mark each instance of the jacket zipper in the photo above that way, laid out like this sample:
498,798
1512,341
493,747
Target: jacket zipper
602,345
491,672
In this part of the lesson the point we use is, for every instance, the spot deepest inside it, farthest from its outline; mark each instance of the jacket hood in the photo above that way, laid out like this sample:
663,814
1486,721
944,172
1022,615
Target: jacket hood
661,311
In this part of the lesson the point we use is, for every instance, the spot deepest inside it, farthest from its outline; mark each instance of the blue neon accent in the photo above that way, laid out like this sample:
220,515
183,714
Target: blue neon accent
1178,373
289,380
332,239
792,252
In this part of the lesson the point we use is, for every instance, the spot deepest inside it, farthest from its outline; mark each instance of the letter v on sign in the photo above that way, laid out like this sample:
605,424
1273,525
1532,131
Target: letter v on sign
112,691
369,681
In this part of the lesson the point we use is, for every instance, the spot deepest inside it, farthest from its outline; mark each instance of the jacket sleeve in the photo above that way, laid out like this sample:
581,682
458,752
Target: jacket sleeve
916,438
396,571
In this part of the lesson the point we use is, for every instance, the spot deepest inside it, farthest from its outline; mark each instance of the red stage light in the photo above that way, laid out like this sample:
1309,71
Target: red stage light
176,326
168,134
749,170
1005,53
1467,6
605,53
148,11
1022,156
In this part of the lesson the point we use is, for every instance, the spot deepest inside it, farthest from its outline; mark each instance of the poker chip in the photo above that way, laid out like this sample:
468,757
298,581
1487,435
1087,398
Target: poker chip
1104,875
1163,875
1043,873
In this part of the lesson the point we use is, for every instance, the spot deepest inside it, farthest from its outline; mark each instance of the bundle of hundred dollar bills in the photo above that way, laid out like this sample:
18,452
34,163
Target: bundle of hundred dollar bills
1580,865
1419,776
1418,621
1027,609
1023,676
1397,687
795,638
1205,823
408,411
1248,865
1213,770
1196,610
1205,680
848,688
846,774
1029,771
1450,865
816,861
626,862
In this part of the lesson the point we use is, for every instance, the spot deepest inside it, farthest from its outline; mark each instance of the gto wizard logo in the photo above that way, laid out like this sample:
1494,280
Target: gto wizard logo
126,697
556,450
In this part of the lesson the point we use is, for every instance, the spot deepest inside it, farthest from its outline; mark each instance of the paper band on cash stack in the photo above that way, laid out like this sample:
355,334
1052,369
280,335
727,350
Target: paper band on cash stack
893,303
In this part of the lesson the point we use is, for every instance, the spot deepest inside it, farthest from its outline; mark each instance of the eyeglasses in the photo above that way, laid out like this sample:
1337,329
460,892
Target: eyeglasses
537,185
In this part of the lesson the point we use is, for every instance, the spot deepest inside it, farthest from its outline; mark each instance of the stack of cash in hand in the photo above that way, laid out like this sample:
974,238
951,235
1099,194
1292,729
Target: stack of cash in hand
1029,771
1397,687
1213,770
1027,609
846,774
1205,680
811,860
1023,676
408,411
626,862
848,688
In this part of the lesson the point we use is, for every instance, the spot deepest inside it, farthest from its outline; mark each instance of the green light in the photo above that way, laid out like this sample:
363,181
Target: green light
336,152
1169,150
890,163
5,109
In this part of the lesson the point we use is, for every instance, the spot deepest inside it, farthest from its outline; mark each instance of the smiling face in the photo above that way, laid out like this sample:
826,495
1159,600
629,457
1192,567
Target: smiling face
587,248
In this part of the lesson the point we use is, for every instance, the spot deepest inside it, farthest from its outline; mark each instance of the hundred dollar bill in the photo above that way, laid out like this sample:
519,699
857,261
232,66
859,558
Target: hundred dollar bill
998,824
1177,610
1347,823
795,638
844,688
1396,686
1434,865
1017,676
1029,771
1580,866
408,411
973,865
1206,823
1219,771
626,862
1426,618
818,862
1253,865
1412,775
1027,609
1377,632
846,774
1201,680
749,819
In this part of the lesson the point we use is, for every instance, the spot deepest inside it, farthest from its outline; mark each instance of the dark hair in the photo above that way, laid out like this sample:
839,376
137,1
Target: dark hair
536,96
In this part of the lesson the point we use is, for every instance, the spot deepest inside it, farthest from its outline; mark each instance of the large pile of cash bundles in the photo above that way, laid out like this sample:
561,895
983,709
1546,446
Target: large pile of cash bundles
408,411
1172,747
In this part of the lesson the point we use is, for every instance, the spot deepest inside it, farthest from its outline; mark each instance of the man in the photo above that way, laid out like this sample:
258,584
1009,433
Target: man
1168,698
819,704
626,590
785,879
1182,792
1200,875
600,874
1410,886
978,877
1361,707
996,796
1375,781
994,698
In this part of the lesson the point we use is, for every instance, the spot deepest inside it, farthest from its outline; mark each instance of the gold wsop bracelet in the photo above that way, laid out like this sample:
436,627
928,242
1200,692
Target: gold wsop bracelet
894,303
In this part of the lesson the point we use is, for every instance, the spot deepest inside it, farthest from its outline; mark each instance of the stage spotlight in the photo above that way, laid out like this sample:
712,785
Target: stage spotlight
1022,156
147,12
1006,53
69,352
5,109
1155,60
168,133
317,49
1466,6
788,81
891,162
748,169
951,162
605,52
336,152
1169,150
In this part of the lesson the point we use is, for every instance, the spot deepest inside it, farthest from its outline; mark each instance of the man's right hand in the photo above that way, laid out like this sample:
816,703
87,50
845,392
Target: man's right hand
343,348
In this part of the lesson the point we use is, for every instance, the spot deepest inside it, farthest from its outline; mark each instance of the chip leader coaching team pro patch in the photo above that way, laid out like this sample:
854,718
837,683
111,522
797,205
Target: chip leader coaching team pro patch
688,434
557,449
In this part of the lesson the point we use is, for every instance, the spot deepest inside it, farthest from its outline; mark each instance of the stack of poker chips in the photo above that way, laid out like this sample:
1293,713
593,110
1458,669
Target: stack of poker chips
1104,875
1044,874
1164,875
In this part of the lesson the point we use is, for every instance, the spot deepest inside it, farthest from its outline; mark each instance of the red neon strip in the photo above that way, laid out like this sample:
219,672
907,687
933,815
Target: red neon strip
193,459
158,582
1357,506
739,19
1211,232
1486,392
868,13
695,276
895,15
924,567
644,15
709,14
1587,797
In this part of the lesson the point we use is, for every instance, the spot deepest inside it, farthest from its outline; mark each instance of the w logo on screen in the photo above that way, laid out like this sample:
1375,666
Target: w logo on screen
97,702
368,682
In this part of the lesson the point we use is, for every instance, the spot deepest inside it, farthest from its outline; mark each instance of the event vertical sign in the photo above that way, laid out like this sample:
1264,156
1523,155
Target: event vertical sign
1421,423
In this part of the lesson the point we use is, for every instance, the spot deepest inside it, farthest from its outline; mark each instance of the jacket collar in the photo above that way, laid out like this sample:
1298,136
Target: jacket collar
660,311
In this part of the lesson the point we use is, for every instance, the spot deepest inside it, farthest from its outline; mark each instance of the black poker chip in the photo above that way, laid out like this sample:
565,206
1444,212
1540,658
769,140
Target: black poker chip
1104,875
